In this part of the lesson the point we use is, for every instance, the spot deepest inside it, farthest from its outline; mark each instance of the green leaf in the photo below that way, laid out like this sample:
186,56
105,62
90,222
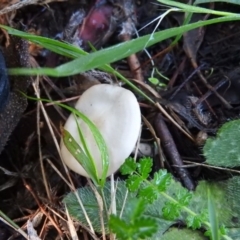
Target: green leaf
208,234
91,204
223,230
224,149
120,227
128,167
171,210
145,227
77,151
153,80
141,228
135,209
99,141
161,180
134,226
133,183
226,195
195,222
145,167
182,234
148,193
184,197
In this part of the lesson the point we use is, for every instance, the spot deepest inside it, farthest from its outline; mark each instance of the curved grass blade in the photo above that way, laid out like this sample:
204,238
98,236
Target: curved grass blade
100,58
210,1
195,9
62,48
77,151
213,219
96,134
90,158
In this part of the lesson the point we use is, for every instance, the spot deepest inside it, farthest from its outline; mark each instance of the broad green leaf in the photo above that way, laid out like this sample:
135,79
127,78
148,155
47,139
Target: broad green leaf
226,194
224,149
182,234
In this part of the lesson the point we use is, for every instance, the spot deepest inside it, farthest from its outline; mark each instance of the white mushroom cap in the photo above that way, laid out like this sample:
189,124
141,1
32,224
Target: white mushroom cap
116,113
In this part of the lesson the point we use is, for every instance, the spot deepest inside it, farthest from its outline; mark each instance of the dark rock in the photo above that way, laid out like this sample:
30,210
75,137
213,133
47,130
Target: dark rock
16,55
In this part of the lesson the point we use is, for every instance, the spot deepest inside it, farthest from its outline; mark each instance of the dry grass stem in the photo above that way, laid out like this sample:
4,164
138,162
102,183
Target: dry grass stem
71,227
211,166
158,141
45,182
100,201
60,175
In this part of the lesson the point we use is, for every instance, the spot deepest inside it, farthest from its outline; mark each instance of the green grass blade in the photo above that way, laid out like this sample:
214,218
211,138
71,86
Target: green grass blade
65,49
77,151
105,165
213,219
71,51
194,9
96,134
105,56
100,58
210,1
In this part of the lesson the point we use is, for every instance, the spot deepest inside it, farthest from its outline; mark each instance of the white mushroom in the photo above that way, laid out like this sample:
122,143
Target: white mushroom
116,114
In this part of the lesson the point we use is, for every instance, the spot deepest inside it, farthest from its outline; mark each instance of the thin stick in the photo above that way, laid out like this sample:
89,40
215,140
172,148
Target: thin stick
172,152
